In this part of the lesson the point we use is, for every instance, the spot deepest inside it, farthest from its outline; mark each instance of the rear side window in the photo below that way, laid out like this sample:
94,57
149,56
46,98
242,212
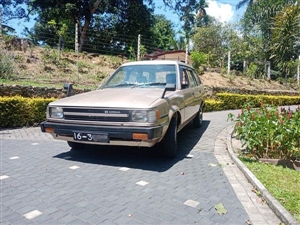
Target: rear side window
188,77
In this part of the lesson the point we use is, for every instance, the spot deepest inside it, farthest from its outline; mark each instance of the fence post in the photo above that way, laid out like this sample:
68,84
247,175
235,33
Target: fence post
268,69
186,53
76,37
139,48
298,72
245,66
228,64
0,23
76,49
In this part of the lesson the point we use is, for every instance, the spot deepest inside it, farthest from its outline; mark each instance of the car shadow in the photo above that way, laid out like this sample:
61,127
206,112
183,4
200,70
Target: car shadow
139,158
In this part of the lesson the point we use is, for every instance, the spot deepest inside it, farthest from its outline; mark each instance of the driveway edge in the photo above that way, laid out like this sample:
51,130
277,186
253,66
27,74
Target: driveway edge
276,207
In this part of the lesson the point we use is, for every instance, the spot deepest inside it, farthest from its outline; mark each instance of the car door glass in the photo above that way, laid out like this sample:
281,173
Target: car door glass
197,78
191,78
185,79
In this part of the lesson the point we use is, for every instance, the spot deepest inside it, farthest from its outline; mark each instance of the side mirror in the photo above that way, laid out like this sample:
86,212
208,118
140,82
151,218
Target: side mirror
68,88
169,87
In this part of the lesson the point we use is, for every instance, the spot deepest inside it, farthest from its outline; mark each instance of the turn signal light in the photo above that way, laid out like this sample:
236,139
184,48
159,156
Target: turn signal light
49,130
140,136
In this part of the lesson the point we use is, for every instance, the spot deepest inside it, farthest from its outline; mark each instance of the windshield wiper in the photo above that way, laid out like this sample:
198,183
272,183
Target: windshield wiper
157,83
119,85
148,84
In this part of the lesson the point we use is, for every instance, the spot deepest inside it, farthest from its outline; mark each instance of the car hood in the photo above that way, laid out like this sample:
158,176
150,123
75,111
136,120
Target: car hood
113,98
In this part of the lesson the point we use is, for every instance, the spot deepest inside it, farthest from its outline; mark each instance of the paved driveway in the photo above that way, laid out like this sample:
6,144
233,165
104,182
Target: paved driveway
43,181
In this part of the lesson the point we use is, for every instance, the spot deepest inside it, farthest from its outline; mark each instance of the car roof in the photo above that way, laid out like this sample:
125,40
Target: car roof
156,62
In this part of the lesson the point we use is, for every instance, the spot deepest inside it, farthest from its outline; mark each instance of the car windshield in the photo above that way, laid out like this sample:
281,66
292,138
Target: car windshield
144,76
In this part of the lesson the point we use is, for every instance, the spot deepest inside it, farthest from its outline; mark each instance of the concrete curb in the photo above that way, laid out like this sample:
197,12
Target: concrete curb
276,207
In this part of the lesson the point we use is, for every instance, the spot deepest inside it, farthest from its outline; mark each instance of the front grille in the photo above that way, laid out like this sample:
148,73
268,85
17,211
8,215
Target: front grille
90,114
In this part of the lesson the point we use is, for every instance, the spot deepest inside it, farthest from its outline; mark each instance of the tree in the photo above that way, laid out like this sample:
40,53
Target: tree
86,12
13,9
163,32
285,37
109,27
209,40
259,19
193,14
244,2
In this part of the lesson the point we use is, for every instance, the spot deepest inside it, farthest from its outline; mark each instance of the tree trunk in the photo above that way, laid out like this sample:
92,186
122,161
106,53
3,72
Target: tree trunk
86,25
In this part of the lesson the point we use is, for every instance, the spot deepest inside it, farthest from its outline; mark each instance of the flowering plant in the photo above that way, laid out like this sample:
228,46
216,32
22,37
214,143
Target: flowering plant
269,131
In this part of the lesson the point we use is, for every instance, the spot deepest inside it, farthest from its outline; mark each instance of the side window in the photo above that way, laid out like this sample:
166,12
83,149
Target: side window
192,80
188,78
197,78
185,79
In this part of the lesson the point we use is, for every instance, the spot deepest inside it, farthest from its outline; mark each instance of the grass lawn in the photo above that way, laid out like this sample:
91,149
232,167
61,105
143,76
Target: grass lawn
282,183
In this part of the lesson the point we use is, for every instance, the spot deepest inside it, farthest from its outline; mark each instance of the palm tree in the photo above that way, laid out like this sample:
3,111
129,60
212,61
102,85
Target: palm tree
244,2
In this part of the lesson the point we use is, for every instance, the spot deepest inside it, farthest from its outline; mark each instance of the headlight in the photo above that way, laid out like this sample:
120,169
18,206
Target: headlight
56,112
148,116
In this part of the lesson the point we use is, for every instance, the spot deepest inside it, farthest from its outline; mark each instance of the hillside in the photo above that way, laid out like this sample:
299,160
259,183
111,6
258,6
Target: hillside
48,67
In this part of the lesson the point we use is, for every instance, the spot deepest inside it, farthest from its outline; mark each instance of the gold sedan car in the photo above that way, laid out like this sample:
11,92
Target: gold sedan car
141,104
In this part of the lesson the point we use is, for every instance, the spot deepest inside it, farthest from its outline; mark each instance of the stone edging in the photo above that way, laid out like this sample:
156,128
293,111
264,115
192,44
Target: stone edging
277,208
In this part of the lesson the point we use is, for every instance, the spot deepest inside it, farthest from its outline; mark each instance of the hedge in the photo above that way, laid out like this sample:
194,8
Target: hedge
236,101
19,111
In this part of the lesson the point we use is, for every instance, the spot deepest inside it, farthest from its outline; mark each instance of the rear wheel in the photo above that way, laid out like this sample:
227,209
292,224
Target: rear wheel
75,145
170,139
197,121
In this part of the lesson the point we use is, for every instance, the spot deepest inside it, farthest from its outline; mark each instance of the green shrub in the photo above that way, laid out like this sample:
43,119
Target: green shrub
198,58
252,70
19,111
236,101
6,66
213,105
268,132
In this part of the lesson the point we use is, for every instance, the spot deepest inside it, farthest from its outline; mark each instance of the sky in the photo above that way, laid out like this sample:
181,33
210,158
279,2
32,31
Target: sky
224,10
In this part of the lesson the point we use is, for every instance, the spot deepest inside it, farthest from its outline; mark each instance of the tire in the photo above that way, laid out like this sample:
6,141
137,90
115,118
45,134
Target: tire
170,139
197,121
75,145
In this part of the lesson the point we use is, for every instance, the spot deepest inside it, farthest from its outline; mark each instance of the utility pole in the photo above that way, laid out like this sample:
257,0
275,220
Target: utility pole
139,48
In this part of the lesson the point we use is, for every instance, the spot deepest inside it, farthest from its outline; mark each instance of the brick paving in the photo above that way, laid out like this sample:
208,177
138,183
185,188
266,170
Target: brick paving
43,181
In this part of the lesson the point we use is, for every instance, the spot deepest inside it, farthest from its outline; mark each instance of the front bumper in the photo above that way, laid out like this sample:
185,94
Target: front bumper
118,135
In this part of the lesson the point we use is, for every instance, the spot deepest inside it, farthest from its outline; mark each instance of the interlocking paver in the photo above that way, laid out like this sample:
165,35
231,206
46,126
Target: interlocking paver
98,192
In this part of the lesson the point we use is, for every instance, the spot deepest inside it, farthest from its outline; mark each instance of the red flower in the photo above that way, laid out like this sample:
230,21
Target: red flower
252,117
248,108
290,115
281,121
269,115
277,114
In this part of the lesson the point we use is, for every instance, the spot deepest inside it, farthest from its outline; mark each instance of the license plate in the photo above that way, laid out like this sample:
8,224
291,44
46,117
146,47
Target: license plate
79,136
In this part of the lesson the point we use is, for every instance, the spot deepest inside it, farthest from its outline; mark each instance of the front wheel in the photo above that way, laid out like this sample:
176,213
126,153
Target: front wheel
170,139
197,121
